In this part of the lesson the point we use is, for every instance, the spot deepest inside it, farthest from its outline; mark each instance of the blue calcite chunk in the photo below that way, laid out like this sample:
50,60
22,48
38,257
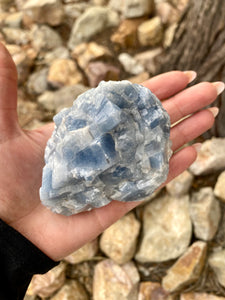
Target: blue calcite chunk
113,143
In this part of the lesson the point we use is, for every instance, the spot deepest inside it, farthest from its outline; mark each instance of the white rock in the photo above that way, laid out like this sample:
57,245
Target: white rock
119,241
133,8
187,269
115,282
45,38
75,10
130,64
217,263
37,82
16,36
60,52
180,185
45,11
93,21
211,157
148,59
205,213
55,101
167,229
219,190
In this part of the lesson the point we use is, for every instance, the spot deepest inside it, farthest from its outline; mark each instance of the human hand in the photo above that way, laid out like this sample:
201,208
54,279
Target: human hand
22,160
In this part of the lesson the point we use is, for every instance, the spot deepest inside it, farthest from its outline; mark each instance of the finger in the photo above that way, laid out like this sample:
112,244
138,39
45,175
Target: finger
191,100
191,128
168,84
8,90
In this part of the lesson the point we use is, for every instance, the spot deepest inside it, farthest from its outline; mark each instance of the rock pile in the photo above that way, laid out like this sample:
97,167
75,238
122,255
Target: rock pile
71,45
172,248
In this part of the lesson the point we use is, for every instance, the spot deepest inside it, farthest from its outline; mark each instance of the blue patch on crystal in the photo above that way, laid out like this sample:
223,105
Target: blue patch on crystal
113,143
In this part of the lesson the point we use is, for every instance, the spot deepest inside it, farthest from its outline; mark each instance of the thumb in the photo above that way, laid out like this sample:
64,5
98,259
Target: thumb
8,93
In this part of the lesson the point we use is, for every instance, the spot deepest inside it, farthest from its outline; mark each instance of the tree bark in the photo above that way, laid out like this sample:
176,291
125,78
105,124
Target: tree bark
199,44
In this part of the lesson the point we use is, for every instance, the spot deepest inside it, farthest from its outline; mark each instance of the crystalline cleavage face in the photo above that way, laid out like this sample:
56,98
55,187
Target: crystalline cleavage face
113,143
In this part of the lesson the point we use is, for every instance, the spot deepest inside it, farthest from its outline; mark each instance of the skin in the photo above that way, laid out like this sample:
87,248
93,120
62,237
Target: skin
22,160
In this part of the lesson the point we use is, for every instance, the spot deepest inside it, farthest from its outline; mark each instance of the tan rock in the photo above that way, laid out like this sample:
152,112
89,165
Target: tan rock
169,35
211,157
64,72
98,71
119,241
86,52
150,33
166,229
217,263
71,290
14,20
186,269
180,185
219,190
45,11
85,253
45,285
113,282
139,78
200,296
126,34
205,213
153,291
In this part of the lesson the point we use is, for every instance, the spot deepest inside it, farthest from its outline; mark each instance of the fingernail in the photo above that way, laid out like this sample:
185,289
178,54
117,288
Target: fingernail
191,75
219,85
197,146
214,111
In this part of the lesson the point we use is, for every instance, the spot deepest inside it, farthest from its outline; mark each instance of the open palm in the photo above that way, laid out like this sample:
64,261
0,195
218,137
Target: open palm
22,160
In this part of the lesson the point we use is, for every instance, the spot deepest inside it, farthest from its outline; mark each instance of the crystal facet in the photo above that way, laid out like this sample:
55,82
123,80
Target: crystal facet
113,143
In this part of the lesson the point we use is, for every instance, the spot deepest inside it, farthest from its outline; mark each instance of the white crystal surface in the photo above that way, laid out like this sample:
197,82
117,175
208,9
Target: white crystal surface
112,144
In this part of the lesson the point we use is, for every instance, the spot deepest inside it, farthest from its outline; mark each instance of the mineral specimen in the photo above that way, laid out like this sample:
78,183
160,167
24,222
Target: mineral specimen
112,144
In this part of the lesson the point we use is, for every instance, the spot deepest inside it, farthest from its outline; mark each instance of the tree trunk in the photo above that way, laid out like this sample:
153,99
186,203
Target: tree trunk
199,44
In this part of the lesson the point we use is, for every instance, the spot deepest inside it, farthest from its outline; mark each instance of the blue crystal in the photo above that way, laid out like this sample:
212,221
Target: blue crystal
113,143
